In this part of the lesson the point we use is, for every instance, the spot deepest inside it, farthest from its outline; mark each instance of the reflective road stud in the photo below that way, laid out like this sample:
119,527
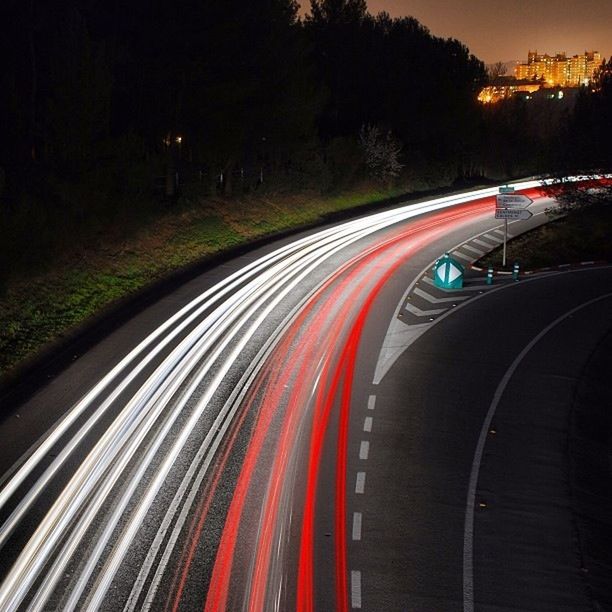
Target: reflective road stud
448,273
490,276
515,271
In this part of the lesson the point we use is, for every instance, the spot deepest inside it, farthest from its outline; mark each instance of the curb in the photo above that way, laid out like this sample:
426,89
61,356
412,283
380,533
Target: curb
564,266
568,266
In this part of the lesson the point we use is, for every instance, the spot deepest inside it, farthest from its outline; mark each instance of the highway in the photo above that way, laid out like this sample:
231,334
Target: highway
314,426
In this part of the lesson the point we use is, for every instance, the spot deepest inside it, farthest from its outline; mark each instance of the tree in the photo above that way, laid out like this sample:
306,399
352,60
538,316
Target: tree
496,70
588,135
381,151
77,108
586,147
338,11
19,93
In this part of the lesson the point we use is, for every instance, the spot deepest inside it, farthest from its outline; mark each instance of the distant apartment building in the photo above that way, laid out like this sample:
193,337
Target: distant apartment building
505,89
559,70
541,73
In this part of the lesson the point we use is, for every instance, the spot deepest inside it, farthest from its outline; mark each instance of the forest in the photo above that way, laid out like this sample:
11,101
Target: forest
112,108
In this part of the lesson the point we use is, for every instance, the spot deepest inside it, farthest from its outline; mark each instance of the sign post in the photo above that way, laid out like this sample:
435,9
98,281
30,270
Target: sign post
510,206
505,241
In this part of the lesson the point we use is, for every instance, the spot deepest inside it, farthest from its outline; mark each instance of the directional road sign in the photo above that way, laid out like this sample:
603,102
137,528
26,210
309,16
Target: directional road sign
506,200
512,213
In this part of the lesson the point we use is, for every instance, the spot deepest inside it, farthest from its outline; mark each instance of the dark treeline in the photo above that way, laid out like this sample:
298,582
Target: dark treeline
102,91
548,135
109,86
587,135
108,102
585,148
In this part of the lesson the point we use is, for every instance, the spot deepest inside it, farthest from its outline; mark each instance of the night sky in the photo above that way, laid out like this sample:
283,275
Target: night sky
500,30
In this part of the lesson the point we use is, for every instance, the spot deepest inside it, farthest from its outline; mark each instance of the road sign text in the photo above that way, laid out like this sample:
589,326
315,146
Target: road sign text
506,200
512,213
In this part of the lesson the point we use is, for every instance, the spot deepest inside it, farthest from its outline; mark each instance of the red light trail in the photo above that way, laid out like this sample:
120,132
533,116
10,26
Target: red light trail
363,277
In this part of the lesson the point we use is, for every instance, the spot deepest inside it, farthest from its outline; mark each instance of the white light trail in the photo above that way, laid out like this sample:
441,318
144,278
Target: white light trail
223,319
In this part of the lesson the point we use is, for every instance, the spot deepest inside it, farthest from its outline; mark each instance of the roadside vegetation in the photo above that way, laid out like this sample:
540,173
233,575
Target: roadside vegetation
579,236
88,276
581,229
136,142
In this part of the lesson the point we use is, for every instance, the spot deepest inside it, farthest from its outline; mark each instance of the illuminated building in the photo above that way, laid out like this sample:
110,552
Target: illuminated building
543,72
559,70
496,93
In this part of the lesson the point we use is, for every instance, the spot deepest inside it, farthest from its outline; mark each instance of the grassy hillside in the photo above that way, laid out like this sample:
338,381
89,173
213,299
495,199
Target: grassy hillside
41,305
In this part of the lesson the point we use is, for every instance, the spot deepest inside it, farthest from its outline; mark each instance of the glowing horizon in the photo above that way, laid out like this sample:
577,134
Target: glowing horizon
495,31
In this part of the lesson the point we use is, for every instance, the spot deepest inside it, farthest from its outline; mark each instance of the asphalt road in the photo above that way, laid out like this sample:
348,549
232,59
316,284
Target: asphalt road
302,428
502,369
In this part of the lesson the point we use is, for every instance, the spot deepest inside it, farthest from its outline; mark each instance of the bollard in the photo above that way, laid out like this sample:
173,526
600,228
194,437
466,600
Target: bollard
448,273
490,276
515,271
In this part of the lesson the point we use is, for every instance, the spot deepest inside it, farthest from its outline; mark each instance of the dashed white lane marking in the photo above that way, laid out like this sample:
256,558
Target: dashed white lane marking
357,526
460,255
473,250
494,238
360,483
367,424
371,402
435,300
364,449
355,589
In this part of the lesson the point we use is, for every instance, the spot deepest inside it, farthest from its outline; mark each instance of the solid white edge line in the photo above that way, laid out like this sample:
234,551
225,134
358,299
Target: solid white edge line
468,534
422,276
414,210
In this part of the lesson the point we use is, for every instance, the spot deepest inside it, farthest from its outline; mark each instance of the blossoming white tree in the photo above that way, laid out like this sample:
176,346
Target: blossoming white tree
381,152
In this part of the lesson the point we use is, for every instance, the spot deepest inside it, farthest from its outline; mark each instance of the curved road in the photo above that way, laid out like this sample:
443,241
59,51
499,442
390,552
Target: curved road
314,426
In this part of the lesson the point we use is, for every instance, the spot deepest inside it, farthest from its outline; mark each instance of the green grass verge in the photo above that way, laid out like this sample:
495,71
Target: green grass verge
581,236
66,293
